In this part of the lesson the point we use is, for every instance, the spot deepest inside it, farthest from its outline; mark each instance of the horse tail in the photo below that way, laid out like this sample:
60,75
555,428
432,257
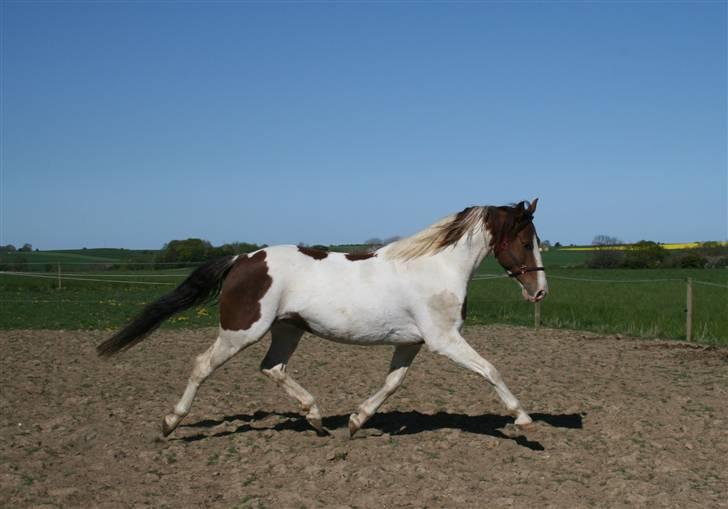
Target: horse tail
199,287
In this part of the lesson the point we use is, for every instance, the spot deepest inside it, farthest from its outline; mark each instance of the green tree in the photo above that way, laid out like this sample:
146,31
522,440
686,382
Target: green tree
185,251
192,251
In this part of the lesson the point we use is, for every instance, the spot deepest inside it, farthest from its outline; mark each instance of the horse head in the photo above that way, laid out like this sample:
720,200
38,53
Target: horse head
515,244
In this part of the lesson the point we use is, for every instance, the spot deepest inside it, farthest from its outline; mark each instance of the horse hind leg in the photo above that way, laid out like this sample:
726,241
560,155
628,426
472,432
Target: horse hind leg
227,344
401,361
284,341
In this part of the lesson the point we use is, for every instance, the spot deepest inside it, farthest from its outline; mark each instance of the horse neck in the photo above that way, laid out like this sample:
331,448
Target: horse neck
466,255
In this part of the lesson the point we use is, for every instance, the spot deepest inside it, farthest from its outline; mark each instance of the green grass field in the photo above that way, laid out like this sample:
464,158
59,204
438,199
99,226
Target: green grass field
649,309
652,307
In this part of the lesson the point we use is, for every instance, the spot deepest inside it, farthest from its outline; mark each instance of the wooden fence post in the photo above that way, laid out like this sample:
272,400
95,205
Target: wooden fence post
689,311
537,315
59,275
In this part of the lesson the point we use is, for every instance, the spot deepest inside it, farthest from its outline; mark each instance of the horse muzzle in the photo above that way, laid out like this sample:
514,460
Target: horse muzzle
536,297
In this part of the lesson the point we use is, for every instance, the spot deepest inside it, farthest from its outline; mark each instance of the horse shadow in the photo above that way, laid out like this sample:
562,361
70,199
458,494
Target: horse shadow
393,423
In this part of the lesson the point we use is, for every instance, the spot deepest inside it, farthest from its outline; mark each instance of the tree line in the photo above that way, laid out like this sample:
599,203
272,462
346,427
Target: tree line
611,253
197,250
9,248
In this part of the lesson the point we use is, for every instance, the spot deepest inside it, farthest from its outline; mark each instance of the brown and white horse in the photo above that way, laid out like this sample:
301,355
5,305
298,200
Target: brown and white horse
406,294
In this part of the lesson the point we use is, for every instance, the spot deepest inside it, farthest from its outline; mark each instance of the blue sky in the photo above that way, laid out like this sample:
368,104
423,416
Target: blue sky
128,124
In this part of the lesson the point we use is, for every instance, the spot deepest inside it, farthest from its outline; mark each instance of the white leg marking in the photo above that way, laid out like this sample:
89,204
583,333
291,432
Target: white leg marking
401,361
227,344
454,346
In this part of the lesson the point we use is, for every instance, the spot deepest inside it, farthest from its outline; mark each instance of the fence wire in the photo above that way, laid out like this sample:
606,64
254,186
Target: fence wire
482,277
62,278
707,283
478,277
662,280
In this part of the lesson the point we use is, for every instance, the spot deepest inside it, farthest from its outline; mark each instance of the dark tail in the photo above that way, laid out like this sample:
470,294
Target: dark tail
200,286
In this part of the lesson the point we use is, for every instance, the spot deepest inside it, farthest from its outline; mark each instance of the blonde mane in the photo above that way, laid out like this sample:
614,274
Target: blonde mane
438,236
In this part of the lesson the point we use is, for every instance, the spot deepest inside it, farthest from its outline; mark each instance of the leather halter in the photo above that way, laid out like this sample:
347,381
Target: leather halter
523,269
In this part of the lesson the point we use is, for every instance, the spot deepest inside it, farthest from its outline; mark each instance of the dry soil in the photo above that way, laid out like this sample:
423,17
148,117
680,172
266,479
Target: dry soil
618,423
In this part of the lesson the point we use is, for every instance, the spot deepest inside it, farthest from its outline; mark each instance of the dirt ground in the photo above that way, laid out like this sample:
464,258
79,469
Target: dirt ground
619,423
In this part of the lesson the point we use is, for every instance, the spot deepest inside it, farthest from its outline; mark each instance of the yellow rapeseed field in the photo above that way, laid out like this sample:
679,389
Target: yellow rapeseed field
671,246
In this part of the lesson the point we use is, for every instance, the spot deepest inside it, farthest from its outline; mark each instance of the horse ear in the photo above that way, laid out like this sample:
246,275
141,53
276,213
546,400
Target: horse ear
532,207
520,209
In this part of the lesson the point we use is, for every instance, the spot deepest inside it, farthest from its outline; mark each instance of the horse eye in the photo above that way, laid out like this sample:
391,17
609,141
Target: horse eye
528,246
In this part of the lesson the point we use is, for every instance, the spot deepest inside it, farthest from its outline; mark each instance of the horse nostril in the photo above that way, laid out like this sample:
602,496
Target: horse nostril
540,295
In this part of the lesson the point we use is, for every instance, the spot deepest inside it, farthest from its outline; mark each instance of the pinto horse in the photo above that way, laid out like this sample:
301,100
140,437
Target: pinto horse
405,294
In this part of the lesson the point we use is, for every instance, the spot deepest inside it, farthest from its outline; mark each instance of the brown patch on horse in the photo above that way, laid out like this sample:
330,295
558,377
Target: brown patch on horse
296,320
512,233
505,223
354,257
244,287
316,254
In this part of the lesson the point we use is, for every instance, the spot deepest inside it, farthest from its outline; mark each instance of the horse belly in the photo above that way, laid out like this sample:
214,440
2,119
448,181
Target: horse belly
355,302
361,325
372,336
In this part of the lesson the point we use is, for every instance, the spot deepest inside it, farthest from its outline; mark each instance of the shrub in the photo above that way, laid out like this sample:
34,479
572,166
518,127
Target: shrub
713,248
720,263
645,254
605,259
693,261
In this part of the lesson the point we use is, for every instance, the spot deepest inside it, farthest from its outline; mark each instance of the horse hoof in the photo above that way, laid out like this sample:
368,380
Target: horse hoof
353,425
523,420
168,428
528,426
316,423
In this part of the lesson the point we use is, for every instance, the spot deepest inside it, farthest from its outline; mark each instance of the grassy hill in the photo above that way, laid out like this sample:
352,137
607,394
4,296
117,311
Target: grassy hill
81,259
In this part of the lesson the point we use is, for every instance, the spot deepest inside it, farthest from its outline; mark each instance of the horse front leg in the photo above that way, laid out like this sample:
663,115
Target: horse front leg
457,349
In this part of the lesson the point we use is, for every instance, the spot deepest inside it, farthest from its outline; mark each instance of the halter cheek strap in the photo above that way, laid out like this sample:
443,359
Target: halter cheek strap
523,269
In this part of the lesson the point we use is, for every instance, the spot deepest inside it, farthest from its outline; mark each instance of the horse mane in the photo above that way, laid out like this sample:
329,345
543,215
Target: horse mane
502,222
438,236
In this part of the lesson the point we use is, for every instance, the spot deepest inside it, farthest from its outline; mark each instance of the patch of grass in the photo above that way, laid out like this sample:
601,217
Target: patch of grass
246,499
29,303
647,309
